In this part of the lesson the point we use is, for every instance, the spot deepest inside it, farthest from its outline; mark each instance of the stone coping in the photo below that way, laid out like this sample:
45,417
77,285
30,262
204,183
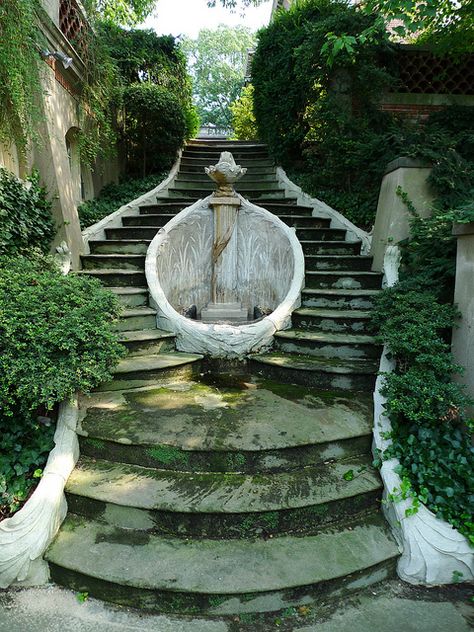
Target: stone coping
403,162
462,230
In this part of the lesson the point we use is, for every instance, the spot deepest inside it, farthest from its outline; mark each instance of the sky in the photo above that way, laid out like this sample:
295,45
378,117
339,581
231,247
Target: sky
188,17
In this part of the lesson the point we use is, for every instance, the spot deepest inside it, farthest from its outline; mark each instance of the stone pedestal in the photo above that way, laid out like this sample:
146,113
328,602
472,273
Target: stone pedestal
224,305
392,222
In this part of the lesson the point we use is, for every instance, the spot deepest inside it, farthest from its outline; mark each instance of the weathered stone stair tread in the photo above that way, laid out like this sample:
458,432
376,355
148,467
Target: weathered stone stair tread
302,362
202,492
203,418
142,335
154,362
365,273
332,313
138,311
219,567
324,336
340,291
128,290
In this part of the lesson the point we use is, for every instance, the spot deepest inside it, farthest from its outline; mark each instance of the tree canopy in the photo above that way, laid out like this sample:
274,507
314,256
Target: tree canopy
217,62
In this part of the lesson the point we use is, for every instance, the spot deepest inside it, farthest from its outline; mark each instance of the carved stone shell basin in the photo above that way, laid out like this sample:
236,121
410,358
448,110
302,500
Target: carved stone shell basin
270,276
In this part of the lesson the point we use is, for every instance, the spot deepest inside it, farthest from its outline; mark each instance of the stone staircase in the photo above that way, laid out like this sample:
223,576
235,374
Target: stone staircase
218,492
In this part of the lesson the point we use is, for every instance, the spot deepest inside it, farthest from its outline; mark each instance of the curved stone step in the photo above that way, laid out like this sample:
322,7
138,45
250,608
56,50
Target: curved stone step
335,373
343,279
147,341
131,296
113,262
200,427
137,371
224,505
327,344
117,278
338,298
119,246
219,577
338,262
136,318
330,247
332,320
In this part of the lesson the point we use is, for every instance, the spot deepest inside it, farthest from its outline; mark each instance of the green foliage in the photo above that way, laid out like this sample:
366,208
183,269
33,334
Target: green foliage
243,118
217,63
423,403
55,338
154,128
113,196
55,334
25,215
26,444
153,84
123,12
20,86
305,80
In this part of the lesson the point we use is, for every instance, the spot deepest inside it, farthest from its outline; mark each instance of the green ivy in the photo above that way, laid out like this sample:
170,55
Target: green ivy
25,215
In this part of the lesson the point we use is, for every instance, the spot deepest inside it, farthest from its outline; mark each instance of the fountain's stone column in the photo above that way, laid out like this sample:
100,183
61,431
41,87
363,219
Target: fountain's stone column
225,304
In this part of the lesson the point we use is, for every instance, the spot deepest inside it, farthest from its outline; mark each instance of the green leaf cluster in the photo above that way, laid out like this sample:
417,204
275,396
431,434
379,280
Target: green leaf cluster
153,96
113,196
56,337
25,215
243,117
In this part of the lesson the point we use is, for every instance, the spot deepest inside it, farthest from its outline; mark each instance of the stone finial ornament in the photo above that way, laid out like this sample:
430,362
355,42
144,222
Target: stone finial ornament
225,174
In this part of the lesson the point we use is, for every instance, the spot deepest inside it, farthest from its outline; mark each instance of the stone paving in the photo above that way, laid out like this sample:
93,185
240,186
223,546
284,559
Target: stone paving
391,607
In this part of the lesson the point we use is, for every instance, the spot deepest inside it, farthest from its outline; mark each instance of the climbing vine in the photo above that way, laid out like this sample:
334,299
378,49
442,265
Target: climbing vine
20,87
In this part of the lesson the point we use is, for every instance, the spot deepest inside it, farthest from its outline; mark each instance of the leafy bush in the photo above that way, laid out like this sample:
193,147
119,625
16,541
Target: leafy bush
155,127
25,215
243,118
424,405
113,196
56,337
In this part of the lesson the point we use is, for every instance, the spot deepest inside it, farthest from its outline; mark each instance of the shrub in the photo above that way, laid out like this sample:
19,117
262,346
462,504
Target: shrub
155,128
25,215
56,338
243,117
113,196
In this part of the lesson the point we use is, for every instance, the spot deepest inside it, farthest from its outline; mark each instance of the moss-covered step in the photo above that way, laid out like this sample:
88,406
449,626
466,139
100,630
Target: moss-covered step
311,233
148,341
283,208
343,279
330,373
151,219
249,427
337,262
338,298
142,370
113,262
305,221
251,193
223,505
119,246
135,318
121,233
332,320
131,296
219,577
330,247
325,344
118,278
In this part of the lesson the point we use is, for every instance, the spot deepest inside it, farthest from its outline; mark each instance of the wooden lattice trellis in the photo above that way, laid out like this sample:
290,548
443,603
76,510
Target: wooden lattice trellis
421,72
73,25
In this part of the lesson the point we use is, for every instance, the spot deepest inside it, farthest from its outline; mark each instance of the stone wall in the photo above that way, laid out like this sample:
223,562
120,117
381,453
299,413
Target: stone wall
463,335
